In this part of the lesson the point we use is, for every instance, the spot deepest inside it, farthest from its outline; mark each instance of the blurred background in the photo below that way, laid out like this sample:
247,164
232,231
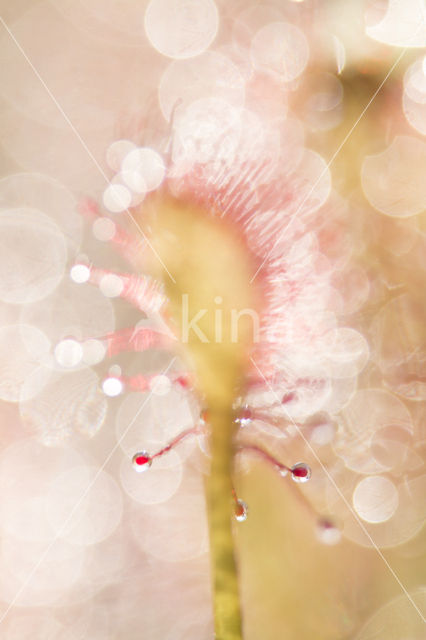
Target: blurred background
333,92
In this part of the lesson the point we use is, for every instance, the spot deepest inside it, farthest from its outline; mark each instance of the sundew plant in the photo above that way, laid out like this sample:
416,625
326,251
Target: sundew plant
212,314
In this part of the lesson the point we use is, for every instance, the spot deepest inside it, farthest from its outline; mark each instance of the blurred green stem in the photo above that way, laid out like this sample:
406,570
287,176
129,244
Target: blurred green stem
202,252
226,600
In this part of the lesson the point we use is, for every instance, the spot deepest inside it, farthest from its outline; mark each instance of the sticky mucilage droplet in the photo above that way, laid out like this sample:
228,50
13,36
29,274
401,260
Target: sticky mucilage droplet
241,510
300,472
141,461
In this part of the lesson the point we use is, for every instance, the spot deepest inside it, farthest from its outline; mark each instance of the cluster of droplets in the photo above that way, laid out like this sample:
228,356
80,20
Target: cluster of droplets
245,417
229,182
139,170
209,87
300,472
149,297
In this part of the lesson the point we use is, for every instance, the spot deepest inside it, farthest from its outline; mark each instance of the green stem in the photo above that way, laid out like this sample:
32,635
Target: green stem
226,601
211,271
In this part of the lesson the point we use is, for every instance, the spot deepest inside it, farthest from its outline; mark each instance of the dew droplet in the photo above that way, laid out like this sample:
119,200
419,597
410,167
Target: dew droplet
245,416
112,387
241,510
104,229
204,416
327,532
68,353
111,285
300,472
141,461
80,273
117,198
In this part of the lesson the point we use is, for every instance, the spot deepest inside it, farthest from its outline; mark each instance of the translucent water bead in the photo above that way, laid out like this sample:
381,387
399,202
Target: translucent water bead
300,472
245,416
141,461
241,510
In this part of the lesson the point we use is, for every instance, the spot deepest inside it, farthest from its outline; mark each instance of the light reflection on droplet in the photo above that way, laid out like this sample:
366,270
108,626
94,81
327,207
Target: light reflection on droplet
80,273
111,285
112,387
240,511
300,472
68,353
117,151
143,169
131,183
141,461
244,417
280,48
181,28
133,179
104,229
375,499
116,198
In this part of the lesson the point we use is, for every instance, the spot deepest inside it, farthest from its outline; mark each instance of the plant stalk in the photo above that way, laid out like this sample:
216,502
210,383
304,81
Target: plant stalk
226,600
211,274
